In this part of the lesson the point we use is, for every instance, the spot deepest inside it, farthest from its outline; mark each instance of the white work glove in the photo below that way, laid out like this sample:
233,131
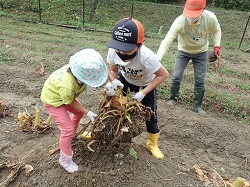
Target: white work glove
91,116
110,88
117,83
139,96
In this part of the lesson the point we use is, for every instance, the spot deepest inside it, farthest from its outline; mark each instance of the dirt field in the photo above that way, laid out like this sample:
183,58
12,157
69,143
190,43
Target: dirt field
218,143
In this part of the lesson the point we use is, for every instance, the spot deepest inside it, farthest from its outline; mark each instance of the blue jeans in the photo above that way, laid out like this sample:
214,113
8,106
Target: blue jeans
200,68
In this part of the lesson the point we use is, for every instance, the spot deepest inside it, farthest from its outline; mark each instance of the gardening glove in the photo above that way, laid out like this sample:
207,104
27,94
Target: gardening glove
139,96
91,116
217,50
117,83
110,88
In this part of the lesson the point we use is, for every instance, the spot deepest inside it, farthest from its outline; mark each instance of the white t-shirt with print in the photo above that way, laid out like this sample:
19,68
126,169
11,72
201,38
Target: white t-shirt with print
140,70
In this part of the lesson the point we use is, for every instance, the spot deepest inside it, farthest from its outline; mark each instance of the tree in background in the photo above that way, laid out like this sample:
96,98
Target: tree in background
93,10
243,5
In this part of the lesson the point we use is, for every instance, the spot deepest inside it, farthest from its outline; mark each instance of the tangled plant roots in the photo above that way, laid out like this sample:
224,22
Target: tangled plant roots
120,119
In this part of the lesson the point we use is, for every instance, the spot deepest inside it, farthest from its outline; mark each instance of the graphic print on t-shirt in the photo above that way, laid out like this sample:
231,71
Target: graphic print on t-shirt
132,73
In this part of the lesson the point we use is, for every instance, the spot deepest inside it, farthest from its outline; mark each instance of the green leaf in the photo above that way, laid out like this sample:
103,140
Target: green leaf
133,153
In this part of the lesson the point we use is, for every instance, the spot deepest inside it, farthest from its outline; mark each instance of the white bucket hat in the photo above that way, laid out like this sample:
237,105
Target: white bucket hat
88,67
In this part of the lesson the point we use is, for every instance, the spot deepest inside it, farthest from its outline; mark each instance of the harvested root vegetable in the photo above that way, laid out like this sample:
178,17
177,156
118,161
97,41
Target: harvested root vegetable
120,119
30,123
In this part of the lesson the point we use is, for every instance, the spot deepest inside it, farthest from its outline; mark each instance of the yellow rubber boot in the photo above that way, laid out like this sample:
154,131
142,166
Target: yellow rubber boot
153,146
86,135
240,182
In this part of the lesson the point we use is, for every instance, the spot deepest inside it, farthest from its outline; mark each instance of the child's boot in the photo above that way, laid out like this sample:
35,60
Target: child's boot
153,146
67,163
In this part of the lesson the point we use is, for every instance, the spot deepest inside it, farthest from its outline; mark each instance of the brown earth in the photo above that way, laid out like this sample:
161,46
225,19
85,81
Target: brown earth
218,143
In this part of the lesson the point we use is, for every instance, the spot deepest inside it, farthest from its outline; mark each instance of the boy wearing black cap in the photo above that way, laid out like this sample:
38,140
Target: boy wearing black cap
134,66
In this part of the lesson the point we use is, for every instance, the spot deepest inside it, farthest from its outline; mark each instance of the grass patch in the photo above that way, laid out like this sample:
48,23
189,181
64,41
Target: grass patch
35,43
3,56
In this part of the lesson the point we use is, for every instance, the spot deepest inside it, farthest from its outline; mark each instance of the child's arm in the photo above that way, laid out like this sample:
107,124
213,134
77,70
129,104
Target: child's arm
77,105
161,75
113,72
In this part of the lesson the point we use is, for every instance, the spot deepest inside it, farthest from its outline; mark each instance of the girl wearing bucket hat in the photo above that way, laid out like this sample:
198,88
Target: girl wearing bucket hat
134,66
193,28
60,92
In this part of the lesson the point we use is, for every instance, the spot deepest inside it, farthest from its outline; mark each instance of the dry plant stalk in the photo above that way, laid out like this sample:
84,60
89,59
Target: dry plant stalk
4,110
37,118
41,70
213,58
120,118
15,167
217,66
209,176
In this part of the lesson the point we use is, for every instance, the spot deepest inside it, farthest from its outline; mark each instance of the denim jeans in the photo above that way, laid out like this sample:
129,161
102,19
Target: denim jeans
200,67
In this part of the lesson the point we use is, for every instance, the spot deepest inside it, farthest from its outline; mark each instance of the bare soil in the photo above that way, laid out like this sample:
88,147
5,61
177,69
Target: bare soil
213,142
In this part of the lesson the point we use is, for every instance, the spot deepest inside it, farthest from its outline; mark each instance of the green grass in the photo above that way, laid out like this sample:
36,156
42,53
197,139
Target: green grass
32,44
3,56
152,15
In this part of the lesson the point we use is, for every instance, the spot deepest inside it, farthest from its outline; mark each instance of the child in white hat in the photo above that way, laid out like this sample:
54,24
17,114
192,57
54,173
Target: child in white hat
60,92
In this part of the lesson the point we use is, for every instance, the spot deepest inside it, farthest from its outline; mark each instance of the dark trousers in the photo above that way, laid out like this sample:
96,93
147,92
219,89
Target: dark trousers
149,100
200,67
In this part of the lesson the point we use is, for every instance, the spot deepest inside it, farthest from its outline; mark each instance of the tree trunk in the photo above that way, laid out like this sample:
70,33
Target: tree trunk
93,10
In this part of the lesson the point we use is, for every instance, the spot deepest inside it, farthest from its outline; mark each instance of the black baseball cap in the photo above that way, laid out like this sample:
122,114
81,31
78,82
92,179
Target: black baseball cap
126,35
